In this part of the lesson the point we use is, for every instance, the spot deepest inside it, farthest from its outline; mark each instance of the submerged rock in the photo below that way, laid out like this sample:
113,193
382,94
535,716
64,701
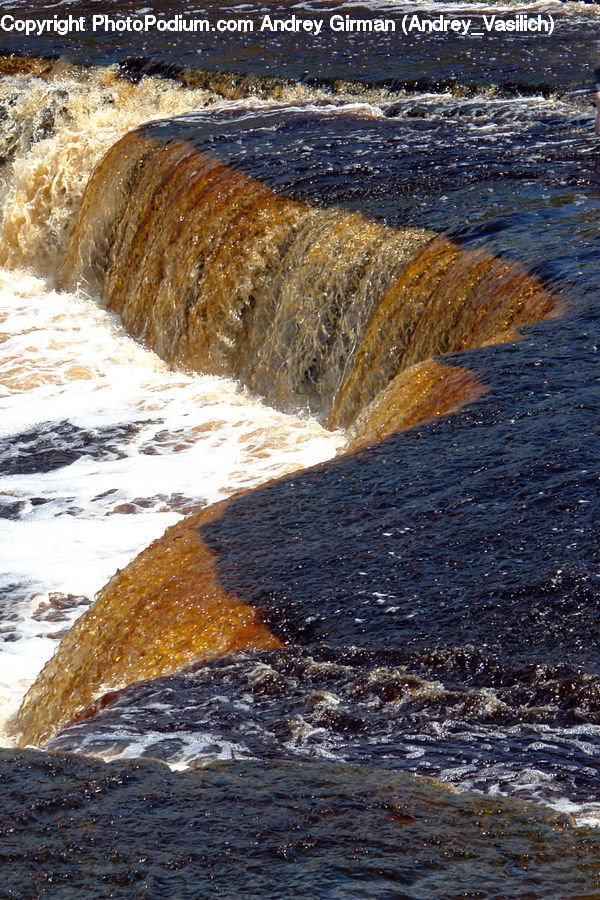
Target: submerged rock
275,829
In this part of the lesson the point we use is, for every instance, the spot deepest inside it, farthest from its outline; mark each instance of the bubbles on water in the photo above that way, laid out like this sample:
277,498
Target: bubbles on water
102,447
54,130
296,705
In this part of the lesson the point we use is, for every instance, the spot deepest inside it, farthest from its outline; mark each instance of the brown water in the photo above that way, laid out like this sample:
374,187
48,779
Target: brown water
310,307
322,221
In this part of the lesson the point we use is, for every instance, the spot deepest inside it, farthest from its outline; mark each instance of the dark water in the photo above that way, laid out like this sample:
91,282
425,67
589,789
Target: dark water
396,169
481,524
445,584
516,63
530,734
51,447
137,830
520,177
439,591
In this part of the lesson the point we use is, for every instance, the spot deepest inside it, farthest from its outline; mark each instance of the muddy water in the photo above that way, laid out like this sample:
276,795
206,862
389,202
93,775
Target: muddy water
436,593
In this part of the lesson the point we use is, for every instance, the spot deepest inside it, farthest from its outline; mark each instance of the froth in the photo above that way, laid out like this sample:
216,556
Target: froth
55,129
104,448
54,132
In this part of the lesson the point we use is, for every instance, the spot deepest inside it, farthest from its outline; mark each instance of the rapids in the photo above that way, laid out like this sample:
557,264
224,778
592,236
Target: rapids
298,458
102,447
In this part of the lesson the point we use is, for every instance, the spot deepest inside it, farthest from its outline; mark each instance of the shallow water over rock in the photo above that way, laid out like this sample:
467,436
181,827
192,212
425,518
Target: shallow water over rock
322,830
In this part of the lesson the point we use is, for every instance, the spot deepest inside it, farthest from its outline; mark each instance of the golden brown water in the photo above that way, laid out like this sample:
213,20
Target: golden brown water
446,299
310,306
424,391
462,551
64,119
307,306
163,611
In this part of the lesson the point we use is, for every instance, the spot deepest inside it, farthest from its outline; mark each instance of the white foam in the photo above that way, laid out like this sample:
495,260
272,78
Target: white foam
181,439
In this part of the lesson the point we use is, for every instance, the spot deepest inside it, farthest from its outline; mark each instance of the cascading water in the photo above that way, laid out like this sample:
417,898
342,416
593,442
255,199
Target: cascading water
283,245
305,305
102,445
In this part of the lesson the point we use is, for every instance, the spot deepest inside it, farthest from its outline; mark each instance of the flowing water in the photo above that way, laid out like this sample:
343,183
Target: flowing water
227,258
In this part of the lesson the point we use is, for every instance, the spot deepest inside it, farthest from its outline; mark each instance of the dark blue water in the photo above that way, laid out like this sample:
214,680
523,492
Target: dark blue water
444,585
519,177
